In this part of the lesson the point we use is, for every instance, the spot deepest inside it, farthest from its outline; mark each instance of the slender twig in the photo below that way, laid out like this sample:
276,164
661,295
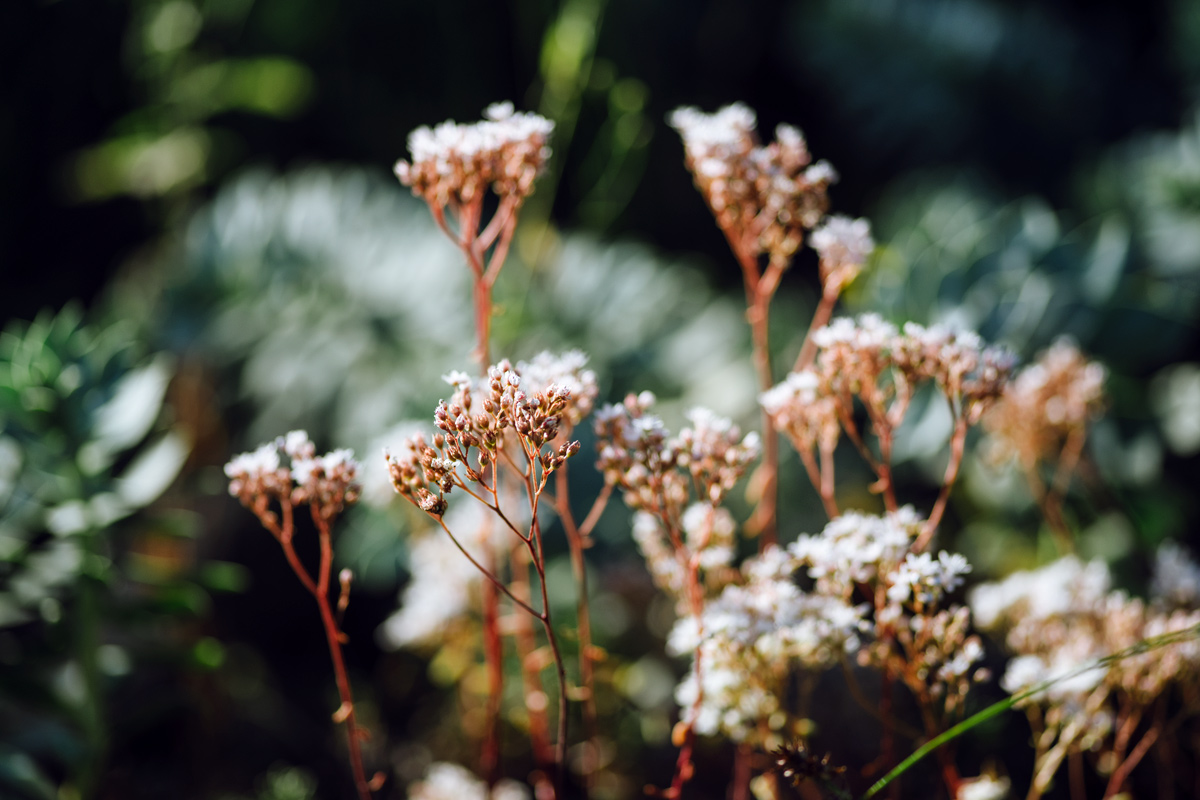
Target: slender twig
487,573
808,351
526,638
576,544
334,637
957,443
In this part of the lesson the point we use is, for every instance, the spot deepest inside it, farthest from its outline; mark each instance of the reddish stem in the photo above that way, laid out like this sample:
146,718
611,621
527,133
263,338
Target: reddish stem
576,543
808,352
493,656
334,637
957,443
526,638
758,309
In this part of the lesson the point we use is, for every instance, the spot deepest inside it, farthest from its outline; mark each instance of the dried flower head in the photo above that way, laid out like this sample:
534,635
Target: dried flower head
329,482
796,764
456,163
843,245
476,428
637,455
763,197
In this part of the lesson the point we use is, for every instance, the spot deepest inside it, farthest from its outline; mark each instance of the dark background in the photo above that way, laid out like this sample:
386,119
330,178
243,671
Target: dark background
1058,82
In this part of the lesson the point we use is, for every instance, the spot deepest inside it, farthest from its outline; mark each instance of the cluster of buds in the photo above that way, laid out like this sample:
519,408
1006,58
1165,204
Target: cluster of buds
763,197
1046,404
918,636
637,456
454,163
504,416
1063,622
328,483
869,358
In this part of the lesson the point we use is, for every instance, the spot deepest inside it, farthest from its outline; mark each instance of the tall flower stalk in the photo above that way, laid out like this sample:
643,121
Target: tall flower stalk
327,484
454,167
764,199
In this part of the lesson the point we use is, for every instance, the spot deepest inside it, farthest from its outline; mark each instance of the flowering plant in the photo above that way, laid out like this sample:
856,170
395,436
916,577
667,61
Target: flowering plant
868,594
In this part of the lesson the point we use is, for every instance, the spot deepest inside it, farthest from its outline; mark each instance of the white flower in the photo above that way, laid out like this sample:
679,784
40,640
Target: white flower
1062,587
728,127
927,579
984,787
458,379
255,464
841,240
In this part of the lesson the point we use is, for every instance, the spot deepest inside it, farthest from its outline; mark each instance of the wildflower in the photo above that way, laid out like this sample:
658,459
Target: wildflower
455,163
329,482
843,245
763,197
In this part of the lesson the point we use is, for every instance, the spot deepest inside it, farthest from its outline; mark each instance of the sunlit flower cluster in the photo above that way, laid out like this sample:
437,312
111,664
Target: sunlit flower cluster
454,162
843,244
567,370
748,640
328,482
475,431
855,549
765,197
1062,622
872,361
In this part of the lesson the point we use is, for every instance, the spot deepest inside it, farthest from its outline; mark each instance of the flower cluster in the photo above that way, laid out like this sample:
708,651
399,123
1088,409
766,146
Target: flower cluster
708,533
748,640
763,197
329,482
1046,404
854,356
502,417
843,245
637,456
456,163
1062,616
1062,622
871,360
856,549
926,644
567,370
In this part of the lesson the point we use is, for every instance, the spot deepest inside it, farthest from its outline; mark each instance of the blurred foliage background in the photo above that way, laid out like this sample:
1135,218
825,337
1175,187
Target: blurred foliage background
202,248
